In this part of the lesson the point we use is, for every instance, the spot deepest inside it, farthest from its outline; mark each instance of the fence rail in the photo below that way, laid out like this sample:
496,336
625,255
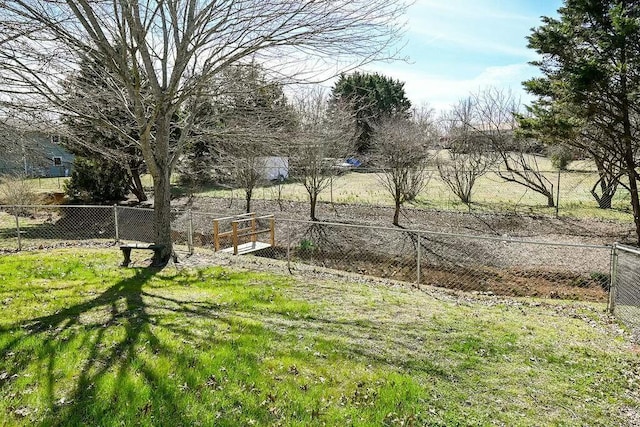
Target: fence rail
571,191
489,264
483,264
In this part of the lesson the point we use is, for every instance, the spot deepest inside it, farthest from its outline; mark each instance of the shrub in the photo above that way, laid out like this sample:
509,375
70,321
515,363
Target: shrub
561,156
18,190
97,181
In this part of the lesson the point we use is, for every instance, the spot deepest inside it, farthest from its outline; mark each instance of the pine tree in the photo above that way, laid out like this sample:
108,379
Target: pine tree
372,97
591,78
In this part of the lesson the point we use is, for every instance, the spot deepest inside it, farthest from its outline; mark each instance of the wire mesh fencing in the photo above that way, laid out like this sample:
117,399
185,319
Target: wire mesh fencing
28,227
624,299
134,224
483,264
491,265
568,192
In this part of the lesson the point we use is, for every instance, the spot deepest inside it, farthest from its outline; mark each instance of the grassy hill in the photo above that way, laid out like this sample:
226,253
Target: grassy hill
83,342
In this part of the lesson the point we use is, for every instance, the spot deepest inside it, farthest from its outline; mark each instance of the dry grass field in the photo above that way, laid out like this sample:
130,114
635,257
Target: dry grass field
491,193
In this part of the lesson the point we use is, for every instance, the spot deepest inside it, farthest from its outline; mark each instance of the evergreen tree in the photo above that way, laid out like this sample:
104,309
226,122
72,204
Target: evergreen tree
372,97
244,119
591,80
97,180
93,88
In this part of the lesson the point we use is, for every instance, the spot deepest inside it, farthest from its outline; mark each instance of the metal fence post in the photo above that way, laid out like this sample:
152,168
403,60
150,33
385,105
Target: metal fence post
289,247
18,230
419,256
558,196
190,232
115,222
613,281
331,188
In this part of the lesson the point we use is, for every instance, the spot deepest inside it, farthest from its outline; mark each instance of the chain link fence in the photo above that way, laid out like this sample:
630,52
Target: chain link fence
480,264
624,299
33,227
491,265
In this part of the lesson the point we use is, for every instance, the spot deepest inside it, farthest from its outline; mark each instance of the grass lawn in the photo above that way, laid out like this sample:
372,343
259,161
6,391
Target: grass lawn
491,193
43,185
83,342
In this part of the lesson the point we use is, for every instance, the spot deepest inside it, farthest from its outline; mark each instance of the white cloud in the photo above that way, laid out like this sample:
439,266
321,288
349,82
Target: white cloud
442,91
474,42
460,46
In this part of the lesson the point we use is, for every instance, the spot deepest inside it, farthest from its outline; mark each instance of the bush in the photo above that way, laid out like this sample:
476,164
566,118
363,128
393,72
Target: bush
561,156
97,181
18,190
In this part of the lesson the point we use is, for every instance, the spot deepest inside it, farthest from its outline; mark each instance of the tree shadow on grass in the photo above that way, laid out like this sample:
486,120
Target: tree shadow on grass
102,339
161,350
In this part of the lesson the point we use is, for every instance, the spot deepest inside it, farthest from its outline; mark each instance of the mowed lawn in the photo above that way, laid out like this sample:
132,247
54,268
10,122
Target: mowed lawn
84,342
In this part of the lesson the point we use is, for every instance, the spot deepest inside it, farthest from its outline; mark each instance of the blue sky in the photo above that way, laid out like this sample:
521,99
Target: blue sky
458,46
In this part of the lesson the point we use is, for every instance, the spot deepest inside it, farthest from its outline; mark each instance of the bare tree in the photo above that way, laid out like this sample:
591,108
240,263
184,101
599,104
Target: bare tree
561,125
423,116
494,119
249,172
401,152
257,113
604,153
162,53
610,166
470,156
324,138
461,171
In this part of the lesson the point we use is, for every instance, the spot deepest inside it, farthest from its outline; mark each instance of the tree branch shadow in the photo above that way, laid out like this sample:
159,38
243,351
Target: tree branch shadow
47,340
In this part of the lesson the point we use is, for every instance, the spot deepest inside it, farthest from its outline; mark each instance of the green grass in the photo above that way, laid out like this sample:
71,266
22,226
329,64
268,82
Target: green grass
491,193
45,185
85,343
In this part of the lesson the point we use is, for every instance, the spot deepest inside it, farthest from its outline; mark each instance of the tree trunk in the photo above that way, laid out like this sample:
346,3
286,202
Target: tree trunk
633,189
136,185
629,160
605,202
162,215
247,195
313,200
529,177
465,196
160,169
608,190
396,214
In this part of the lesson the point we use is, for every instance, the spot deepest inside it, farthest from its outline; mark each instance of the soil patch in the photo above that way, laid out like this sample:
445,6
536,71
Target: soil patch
454,262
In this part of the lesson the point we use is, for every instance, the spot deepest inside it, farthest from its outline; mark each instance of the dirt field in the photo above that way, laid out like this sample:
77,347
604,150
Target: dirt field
485,266
541,228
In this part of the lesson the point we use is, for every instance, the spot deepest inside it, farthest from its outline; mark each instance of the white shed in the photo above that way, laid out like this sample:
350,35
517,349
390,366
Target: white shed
276,168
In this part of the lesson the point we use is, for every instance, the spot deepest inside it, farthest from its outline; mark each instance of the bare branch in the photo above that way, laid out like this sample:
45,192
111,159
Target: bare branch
163,54
401,153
